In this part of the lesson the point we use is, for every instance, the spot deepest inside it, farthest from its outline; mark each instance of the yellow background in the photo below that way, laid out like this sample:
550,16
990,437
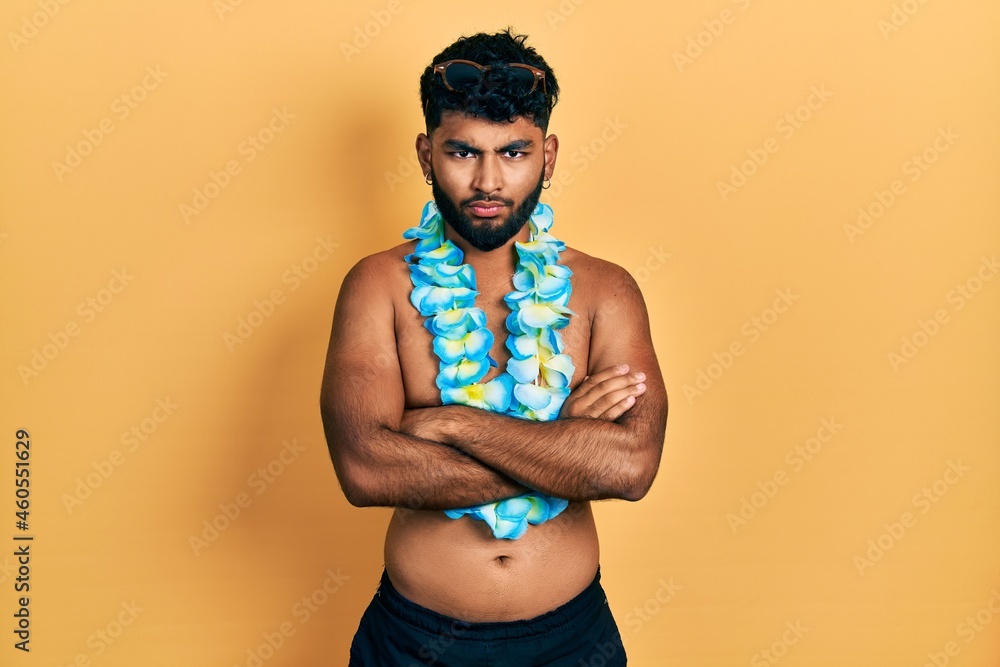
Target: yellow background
646,137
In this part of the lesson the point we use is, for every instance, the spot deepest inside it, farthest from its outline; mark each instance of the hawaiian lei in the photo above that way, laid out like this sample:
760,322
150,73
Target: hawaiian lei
536,382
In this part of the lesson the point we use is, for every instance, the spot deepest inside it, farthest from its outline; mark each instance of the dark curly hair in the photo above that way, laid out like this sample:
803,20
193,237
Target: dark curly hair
497,97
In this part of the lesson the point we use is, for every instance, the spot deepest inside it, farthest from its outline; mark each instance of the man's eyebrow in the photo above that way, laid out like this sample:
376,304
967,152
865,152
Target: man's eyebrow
456,145
516,145
459,145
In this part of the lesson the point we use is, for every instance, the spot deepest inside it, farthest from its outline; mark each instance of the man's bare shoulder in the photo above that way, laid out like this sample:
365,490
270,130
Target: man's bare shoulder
380,273
598,279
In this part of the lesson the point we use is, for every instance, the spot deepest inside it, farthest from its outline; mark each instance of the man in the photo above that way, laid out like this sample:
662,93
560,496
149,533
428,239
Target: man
478,585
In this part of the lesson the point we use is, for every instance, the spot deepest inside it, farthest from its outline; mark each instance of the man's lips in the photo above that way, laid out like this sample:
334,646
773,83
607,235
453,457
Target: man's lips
486,210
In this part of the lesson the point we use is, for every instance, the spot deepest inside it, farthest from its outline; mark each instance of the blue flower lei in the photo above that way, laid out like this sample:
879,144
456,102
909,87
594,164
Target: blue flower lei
536,382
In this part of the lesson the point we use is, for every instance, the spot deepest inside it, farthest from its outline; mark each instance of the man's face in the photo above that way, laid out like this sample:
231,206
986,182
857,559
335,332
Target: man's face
487,177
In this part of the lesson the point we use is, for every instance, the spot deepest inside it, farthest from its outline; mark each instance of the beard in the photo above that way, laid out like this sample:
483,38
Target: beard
485,236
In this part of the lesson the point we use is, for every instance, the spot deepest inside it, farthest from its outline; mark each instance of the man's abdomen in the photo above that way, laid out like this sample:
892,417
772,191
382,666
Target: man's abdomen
457,568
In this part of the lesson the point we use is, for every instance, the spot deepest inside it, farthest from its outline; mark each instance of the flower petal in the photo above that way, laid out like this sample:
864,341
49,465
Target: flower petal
557,370
541,219
505,529
462,373
551,411
551,341
537,316
556,506
449,351
523,370
513,508
447,253
497,393
488,514
478,343
522,347
539,511
513,325
551,288
532,396
523,281
516,299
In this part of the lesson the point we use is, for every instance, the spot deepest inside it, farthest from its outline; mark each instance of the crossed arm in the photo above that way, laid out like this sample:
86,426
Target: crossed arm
606,443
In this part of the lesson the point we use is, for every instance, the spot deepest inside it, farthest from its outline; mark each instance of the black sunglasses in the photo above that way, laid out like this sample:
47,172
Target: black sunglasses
461,75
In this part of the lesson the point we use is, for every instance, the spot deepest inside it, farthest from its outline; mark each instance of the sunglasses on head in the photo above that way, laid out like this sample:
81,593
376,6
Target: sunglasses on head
462,75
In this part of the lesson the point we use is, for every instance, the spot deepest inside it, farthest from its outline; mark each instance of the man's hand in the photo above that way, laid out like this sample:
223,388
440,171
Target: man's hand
607,394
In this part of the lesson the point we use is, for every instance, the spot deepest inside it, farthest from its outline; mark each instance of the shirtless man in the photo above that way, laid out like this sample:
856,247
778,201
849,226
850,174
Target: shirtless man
453,592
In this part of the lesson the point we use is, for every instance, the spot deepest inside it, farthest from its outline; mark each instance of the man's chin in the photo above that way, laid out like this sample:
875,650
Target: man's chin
485,234
488,242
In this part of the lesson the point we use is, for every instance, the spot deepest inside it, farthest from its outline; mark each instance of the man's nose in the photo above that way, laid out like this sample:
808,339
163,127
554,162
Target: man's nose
488,177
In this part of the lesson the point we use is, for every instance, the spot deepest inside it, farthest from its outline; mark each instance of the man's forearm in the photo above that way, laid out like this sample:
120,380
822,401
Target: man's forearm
575,459
402,471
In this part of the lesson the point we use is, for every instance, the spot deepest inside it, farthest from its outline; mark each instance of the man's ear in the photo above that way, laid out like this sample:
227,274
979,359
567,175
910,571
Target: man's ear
423,146
550,148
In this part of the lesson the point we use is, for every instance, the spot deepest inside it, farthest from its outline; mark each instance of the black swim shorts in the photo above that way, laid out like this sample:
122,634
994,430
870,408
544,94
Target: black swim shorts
396,632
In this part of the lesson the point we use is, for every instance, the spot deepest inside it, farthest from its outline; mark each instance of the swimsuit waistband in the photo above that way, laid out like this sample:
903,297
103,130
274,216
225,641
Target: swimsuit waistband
580,610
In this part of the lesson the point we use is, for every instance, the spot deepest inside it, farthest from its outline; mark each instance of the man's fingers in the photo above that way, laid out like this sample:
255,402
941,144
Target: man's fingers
606,382
618,409
608,406
613,398
592,381
603,391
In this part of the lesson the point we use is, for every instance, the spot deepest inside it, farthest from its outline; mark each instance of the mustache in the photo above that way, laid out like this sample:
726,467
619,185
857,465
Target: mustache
485,198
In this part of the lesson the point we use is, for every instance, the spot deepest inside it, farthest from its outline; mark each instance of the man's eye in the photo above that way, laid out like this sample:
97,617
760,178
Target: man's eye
462,154
514,153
